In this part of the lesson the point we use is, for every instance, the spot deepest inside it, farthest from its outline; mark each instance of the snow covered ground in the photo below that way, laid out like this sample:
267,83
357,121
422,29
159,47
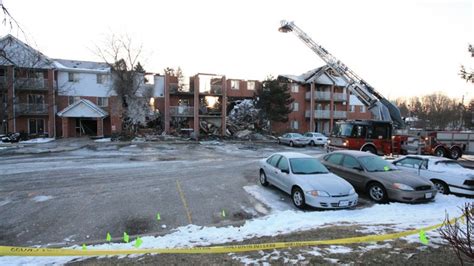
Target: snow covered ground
37,140
378,219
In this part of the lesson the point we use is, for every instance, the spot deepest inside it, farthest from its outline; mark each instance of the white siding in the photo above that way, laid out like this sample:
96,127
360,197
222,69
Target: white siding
85,85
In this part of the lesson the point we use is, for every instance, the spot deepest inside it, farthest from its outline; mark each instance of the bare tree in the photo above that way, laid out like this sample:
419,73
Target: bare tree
468,75
460,234
128,79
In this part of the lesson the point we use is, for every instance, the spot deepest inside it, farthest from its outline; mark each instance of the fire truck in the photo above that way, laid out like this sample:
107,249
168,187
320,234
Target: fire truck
386,134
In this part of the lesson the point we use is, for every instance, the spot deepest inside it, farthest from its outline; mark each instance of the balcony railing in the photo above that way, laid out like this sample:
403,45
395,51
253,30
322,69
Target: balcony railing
181,110
31,109
326,96
30,83
326,114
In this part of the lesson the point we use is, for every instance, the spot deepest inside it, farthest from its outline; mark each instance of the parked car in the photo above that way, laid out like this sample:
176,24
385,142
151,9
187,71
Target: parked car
316,138
307,181
447,175
293,139
381,180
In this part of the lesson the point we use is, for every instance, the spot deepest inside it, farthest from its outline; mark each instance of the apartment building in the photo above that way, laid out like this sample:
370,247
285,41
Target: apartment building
57,97
320,99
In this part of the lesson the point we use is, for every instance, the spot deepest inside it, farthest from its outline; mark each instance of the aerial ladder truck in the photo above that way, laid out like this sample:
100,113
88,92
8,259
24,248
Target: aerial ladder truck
377,136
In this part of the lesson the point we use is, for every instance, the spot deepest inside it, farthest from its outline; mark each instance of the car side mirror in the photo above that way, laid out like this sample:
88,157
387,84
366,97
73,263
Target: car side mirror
358,168
287,171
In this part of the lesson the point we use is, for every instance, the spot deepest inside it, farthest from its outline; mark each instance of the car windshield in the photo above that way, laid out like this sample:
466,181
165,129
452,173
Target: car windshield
307,166
449,164
376,164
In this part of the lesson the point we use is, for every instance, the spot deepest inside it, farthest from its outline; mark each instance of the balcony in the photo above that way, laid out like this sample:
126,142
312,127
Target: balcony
185,111
326,114
31,109
174,88
31,84
326,96
215,90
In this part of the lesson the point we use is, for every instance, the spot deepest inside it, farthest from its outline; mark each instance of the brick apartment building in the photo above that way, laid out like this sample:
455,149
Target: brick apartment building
320,99
69,98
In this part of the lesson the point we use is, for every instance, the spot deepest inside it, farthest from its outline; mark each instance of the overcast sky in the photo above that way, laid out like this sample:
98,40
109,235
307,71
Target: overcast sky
402,48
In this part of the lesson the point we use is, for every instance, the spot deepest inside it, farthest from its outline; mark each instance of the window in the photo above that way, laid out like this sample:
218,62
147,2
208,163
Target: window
71,77
307,166
274,160
350,162
73,99
283,164
251,85
234,84
100,78
352,108
411,163
362,108
295,107
36,126
373,163
334,158
35,99
294,124
294,87
103,101
4,99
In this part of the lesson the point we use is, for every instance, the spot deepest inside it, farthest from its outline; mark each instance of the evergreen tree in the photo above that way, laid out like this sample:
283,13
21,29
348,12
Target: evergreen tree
274,100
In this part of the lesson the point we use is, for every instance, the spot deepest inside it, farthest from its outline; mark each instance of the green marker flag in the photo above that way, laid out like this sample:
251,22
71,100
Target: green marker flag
158,217
108,238
386,168
84,247
126,238
423,238
223,213
138,242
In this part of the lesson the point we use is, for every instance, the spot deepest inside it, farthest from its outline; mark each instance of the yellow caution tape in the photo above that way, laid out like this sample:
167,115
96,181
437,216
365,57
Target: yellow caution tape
27,251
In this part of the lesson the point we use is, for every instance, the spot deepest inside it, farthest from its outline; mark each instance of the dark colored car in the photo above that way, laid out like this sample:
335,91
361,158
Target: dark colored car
381,180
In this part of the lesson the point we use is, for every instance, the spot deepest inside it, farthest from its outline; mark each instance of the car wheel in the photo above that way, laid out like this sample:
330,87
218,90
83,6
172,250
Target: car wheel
370,149
377,193
279,141
441,187
297,197
456,153
292,144
263,178
439,152
312,143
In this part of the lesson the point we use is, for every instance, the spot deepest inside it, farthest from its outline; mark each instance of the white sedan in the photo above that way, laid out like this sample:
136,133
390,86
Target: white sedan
316,138
447,175
307,181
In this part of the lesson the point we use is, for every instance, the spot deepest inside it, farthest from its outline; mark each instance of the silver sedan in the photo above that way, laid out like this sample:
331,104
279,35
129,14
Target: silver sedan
307,181
293,139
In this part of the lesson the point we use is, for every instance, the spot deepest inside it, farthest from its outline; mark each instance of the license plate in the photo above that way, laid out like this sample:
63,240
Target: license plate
343,203
428,195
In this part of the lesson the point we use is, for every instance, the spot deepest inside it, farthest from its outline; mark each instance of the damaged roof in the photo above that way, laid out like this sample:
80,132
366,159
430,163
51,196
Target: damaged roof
321,75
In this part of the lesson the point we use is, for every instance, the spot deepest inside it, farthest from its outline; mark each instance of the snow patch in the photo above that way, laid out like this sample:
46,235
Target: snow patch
338,249
37,140
42,198
4,202
269,197
103,140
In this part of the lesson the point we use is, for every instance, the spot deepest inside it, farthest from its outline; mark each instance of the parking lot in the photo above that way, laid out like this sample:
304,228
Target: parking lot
79,196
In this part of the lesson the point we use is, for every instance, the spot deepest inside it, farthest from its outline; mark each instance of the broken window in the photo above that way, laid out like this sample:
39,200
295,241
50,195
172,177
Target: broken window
235,84
251,85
